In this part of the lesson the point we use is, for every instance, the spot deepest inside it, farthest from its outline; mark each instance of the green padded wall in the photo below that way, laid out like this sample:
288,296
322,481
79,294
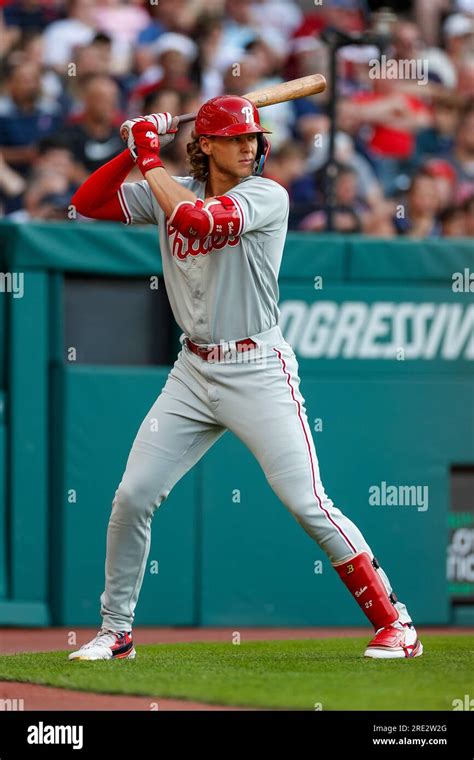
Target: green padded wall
98,413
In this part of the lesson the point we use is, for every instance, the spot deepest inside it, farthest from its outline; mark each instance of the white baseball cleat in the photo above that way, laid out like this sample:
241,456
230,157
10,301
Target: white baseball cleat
395,641
107,645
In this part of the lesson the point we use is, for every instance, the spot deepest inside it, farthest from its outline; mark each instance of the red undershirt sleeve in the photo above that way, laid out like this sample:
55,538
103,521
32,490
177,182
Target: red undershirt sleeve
99,196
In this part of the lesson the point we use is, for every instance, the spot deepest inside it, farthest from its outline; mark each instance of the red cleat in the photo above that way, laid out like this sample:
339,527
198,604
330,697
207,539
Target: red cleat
395,641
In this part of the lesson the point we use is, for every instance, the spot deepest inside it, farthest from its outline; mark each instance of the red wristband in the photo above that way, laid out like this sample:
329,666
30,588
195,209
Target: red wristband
147,162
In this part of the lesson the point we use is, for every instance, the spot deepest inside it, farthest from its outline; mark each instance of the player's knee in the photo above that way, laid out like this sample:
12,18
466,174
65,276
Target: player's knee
133,500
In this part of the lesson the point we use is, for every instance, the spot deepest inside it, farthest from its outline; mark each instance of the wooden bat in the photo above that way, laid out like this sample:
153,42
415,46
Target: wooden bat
277,93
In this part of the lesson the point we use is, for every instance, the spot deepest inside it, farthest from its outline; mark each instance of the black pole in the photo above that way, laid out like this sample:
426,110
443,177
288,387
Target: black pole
330,171
335,40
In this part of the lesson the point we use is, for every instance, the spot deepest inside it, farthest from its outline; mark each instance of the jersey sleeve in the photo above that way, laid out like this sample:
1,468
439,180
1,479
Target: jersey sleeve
263,205
136,200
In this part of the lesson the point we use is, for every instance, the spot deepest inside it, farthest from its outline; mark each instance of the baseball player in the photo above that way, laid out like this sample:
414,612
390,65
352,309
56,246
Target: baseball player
222,232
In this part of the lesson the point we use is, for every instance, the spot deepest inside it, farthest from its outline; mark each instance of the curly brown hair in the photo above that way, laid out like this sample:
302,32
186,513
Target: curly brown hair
198,161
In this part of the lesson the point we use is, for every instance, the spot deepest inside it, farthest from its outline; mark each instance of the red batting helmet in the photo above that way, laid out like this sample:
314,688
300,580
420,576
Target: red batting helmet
229,116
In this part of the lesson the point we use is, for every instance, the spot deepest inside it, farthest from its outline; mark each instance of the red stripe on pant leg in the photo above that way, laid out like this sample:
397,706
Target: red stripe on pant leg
288,380
124,205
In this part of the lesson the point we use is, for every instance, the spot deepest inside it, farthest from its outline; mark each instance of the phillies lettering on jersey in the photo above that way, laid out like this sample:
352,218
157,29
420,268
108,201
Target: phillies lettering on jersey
182,246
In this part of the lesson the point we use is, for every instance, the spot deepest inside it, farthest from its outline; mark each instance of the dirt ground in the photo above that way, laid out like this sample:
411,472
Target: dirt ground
16,640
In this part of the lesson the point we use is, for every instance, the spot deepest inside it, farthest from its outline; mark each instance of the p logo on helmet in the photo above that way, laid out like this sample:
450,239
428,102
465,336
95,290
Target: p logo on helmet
248,114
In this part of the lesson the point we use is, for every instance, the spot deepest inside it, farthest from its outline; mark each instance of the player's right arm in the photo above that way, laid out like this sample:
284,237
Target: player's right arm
105,194
101,195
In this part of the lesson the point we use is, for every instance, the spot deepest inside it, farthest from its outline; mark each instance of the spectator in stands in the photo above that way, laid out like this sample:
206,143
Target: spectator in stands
47,198
416,217
242,76
465,86
394,119
30,16
348,210
346,15
55,157
428,17
62,37
9,36
286,165
169,16
458,32
452,222
468,210
407,41
239,27
445,178
122,23
12,186
162,100
174,55
94,138
95,58
25,116
378,220
207,69
315,132
408,45
463,153
437,140
276,22
30,49
166,16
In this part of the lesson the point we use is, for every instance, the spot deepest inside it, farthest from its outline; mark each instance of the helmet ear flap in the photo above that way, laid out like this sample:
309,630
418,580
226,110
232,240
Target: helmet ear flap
263,151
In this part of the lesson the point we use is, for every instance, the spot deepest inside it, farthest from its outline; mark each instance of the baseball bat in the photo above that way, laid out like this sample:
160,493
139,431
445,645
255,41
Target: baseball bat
276,93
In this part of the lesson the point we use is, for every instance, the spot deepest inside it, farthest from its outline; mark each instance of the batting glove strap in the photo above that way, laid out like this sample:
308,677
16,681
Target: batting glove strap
163,122
164,126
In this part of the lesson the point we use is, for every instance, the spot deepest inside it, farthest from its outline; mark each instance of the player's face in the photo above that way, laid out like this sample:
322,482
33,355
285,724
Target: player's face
234,156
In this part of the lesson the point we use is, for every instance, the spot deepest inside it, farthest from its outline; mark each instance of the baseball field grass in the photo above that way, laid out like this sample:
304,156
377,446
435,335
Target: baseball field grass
309,674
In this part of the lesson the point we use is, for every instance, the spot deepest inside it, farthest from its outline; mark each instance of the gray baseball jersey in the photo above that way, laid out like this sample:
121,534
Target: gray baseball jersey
220,289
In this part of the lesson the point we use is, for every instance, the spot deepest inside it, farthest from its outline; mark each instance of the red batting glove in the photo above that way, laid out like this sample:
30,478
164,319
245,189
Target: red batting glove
144,145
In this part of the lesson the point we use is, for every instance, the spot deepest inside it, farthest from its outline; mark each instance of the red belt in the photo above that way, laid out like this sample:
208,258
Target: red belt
218,352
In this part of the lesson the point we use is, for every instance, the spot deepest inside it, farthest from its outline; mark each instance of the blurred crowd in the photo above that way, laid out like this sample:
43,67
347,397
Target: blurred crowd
73,71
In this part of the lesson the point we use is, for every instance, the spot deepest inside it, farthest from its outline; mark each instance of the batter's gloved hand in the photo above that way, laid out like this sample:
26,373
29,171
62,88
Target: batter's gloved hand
144,144
165,124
